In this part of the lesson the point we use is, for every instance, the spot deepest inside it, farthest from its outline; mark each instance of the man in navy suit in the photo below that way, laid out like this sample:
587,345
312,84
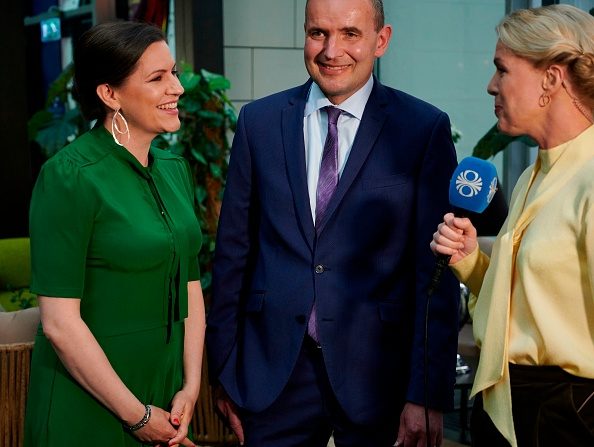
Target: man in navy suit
317,323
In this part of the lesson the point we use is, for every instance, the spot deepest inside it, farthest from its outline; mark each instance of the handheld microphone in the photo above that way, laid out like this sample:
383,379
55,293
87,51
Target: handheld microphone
472,187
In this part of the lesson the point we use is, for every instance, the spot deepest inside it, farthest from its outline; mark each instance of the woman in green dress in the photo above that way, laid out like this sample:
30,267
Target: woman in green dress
114,242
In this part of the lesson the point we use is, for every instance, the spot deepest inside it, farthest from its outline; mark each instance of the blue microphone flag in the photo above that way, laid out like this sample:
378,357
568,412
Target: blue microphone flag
473,184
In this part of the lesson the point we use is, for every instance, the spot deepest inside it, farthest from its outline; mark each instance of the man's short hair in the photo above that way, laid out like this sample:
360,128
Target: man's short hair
378,7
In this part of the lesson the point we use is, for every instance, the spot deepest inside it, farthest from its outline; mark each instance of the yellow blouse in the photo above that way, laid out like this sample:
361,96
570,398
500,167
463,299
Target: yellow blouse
535,301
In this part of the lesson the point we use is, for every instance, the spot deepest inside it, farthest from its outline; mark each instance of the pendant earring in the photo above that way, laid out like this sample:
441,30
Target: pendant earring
115,129
544,100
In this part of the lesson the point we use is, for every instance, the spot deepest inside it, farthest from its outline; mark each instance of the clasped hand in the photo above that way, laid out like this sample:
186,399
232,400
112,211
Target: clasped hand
169,428
455,237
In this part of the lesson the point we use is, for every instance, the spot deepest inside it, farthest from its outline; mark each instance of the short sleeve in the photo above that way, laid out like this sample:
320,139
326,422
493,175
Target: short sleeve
193,269
193,262
60,224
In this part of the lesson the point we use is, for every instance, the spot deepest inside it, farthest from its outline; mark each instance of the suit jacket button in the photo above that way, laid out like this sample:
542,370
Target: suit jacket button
300,319
319,268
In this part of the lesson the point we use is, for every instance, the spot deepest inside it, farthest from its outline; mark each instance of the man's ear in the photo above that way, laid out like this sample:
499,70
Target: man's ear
107,94
383,40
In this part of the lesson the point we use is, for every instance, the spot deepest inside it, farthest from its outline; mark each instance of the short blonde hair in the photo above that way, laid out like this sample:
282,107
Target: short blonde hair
555,34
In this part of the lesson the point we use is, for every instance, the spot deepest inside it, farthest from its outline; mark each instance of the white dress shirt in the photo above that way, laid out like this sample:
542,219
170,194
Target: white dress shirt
315,129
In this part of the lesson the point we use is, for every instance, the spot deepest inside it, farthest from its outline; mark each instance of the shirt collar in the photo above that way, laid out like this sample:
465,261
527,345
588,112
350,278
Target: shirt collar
354,105
549,157
106,141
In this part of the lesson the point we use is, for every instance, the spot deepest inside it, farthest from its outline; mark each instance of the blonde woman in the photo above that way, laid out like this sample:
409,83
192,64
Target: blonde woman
534,316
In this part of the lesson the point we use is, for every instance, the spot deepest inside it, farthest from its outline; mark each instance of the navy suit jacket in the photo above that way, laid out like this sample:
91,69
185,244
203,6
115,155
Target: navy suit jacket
368,266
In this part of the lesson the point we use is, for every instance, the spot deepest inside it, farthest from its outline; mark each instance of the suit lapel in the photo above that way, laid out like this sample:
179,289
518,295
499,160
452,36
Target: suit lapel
371,124
293,143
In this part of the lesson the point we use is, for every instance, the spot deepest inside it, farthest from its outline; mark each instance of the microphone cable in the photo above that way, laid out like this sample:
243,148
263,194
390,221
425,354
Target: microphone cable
426,369
440,266
472,186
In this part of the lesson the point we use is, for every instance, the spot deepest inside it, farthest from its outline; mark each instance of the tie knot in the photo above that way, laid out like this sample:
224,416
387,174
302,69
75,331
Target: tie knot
333,114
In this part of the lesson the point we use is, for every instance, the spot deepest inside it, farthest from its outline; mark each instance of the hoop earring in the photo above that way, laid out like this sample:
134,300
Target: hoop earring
115,128
544,100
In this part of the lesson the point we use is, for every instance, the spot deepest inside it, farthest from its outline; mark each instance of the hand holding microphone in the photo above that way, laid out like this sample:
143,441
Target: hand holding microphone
472,187
456,238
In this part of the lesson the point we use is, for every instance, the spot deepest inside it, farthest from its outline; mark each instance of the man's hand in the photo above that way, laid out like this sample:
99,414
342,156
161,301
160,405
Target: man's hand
412,427
229,411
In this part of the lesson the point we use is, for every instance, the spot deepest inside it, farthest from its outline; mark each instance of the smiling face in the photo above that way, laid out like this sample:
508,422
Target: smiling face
517,86
341,44
148,97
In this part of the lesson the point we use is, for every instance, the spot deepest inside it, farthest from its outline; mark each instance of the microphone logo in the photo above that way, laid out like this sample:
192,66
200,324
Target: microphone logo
469,183
492,190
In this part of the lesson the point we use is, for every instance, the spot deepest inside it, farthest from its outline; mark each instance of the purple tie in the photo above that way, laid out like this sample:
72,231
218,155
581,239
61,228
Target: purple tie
327,182
328,178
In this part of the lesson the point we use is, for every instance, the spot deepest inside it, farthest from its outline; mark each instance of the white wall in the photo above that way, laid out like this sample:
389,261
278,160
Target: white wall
263,47
442,52
584,4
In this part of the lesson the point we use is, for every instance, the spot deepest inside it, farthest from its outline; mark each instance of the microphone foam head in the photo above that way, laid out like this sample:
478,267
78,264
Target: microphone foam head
473,184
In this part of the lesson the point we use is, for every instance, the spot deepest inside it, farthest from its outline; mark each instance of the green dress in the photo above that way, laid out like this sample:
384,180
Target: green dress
124,239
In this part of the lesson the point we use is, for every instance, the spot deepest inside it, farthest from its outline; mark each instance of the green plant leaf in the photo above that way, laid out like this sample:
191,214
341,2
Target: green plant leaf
38,121
189,80
215,117
59,88
201,193
198,156
211,150
495,141
215,170
215,81
190,107
55,136
231,115
23,298
205,280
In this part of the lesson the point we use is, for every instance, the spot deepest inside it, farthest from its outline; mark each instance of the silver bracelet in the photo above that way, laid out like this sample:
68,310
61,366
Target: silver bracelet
143,421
